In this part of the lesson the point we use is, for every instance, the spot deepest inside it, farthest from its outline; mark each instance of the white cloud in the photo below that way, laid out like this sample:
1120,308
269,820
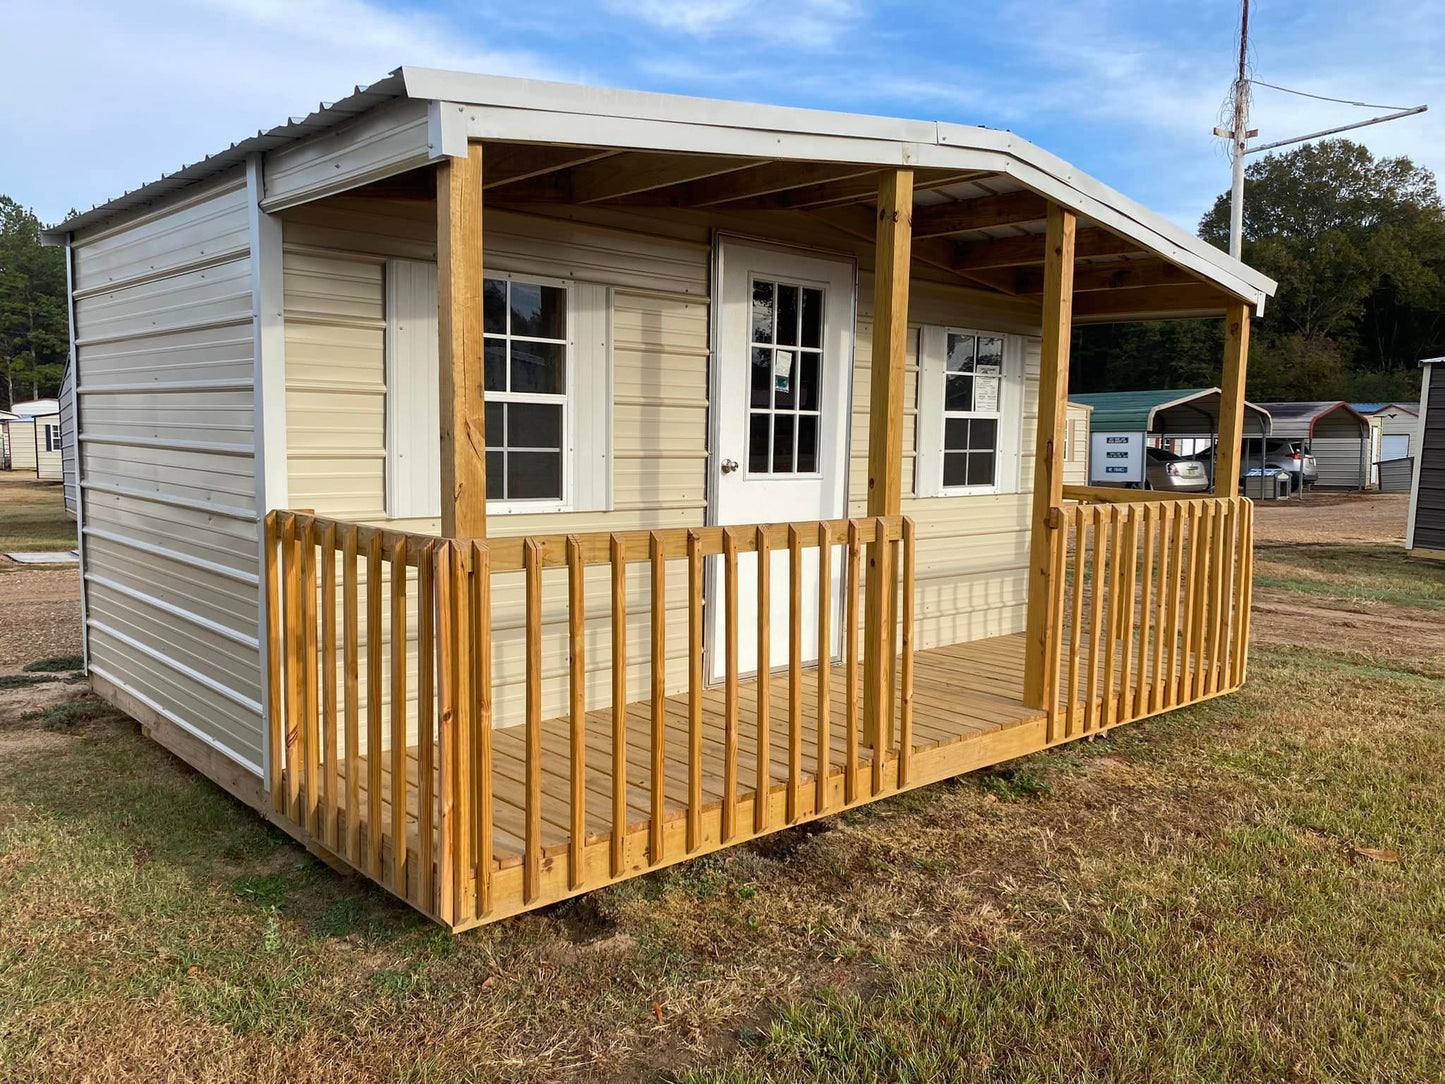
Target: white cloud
802,24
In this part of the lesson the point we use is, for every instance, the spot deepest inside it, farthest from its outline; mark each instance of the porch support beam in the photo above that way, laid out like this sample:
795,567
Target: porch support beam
459,327
1231,400
893,245
985,212
1049,451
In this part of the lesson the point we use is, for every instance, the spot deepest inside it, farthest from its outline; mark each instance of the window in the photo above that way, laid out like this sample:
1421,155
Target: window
970,412
52,437
787,365
973,386
525,374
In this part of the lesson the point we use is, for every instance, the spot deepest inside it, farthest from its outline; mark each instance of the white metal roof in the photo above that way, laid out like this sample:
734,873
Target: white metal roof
34,408
504,108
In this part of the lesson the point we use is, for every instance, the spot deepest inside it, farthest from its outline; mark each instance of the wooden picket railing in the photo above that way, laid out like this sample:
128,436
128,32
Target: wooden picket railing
384,744
1151,606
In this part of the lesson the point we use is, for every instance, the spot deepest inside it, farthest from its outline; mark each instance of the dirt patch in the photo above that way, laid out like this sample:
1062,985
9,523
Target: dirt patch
42,614
1341,518
1408,639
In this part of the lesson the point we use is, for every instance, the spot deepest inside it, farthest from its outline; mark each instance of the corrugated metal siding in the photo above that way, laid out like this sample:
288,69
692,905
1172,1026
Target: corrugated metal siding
1396,475
165,365
1341,451
22,445
67,443
1430,498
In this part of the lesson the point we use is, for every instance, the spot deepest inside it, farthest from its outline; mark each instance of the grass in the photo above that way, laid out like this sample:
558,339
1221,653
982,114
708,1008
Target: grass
33,516
56,664
1372,574
1185,899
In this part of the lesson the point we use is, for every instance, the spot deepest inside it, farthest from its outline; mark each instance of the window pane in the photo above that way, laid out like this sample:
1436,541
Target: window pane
534,425
494,422
494,365
784,377
496,479
812,318
958,393
762,311
762,382
983,434
540,311
955,469
531,475
782,444
758,434
538,367
808,381
787,315
955,434
960,354
494,306
980,468
807,444
990,355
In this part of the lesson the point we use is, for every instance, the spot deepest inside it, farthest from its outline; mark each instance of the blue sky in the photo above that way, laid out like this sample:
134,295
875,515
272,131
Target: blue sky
114,94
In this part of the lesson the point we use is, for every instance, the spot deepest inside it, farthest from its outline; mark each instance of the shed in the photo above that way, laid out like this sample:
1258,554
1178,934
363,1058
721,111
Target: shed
1076,443
1123,421
1399,426
1425,525
7,419
1336,434
67,440
43,430
505,487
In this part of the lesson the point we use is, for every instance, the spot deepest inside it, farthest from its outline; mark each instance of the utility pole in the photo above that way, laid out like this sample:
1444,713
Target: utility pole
1238,138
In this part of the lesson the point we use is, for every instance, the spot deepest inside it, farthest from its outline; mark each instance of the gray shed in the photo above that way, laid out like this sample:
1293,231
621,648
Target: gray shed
1425,529
1337,435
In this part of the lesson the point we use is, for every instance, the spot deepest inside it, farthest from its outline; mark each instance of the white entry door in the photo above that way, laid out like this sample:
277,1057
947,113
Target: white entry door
782,385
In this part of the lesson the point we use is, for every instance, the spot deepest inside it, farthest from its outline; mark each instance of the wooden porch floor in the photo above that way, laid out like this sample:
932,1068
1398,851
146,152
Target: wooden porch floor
961,692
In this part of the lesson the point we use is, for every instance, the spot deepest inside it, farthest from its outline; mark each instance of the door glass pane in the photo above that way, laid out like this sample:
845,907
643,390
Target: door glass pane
538,367
782,444
808,381
784,364
534,425
807,444
762,311
762,382
958,393
531,475
787,315
960,354
494,306
812,335
539,311
758,434
990,355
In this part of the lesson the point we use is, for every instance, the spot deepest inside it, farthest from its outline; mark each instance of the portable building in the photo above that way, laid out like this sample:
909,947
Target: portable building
43,433
1076,444
506,486
1123,423
6,420
1336,434
1425,526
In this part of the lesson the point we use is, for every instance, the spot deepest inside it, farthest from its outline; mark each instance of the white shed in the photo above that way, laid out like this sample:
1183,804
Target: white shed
43,455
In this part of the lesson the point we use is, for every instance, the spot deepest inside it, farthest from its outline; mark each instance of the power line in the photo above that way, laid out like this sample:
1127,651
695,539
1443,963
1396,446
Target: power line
1324,97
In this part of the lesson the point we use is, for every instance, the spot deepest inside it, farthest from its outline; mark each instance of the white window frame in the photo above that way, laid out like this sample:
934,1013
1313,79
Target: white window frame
932,380
1070,435
586,477
52,436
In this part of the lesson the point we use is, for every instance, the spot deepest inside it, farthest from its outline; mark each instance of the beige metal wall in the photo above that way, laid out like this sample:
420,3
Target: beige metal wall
22,445
972,551
165,353
49,466
1076,467
67,441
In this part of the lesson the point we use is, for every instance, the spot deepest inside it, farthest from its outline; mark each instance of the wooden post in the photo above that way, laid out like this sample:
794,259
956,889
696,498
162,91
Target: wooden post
1049,451
459,326
893,249
1231,401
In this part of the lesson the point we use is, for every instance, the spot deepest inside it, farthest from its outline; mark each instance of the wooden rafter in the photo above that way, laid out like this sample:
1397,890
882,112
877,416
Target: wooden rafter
937,252
508,163
985,212
1129,274
1153,301
1029,249
766,179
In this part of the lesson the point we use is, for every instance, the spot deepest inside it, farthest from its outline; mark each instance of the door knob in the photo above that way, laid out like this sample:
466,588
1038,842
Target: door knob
729,465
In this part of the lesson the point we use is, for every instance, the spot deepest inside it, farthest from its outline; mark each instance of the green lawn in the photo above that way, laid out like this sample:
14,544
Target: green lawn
33,516
1246,890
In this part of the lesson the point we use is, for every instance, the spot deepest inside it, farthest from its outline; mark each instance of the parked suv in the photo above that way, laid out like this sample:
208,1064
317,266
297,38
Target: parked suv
1167,471
1290,456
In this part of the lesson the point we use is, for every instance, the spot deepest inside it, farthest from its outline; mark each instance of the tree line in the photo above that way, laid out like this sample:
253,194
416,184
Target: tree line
34,328
1357,245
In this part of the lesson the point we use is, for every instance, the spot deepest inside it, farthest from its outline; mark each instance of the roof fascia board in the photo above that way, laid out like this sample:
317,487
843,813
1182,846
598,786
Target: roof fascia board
446,129
389,139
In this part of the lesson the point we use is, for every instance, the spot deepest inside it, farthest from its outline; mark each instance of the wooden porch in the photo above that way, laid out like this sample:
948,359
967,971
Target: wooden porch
1150,616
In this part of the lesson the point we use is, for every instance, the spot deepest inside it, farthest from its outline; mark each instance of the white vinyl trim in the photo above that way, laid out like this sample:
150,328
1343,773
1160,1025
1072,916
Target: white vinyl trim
413,405
928,458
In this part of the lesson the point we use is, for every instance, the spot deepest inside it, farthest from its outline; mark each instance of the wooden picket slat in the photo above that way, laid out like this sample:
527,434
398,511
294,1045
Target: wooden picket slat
330,778
880,647
658,673
619,705
905,705
1142,687
763,783
1174,620
1053,655
823,767
795,669
426,676
731,707
577,706
310,742
481,645
293,643
532,858
850,662
275,666
1119,710
694,693
374,795
1085,518
350,664
1103,531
